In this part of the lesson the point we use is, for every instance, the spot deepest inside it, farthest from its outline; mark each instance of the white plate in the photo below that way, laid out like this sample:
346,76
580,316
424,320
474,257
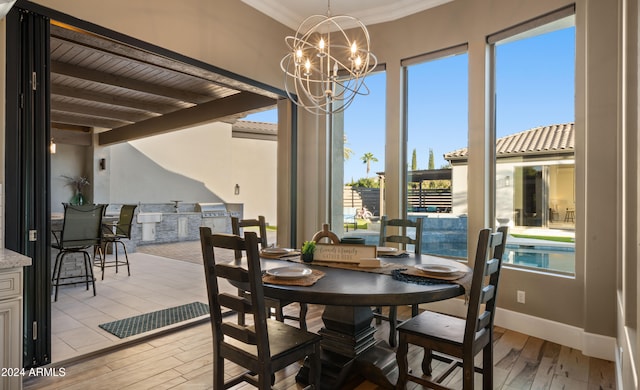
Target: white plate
387,249
437,269
276,251
289,272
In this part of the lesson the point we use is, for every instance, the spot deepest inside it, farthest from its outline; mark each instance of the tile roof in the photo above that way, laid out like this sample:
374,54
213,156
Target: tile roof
542,140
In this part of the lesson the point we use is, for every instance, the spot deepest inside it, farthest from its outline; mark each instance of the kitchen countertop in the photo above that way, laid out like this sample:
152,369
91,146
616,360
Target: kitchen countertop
11,259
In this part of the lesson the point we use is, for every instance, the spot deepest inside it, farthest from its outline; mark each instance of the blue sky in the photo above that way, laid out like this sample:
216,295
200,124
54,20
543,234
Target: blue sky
535,87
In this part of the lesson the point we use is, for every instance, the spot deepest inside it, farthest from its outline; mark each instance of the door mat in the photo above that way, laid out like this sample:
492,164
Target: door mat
154,320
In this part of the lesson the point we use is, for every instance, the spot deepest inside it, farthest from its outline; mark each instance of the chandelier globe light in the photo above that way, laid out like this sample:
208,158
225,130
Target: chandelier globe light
328,59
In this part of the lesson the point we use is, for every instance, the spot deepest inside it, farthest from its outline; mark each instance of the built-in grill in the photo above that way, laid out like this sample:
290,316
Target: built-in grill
215,216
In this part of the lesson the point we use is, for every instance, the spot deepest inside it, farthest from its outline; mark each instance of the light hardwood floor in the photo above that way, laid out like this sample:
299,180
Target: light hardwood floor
182,360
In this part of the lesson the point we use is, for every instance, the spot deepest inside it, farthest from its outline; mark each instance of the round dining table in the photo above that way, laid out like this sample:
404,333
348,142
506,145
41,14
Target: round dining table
348,344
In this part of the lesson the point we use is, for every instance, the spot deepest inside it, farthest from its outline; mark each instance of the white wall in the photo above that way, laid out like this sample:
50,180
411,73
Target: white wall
200,164
254,167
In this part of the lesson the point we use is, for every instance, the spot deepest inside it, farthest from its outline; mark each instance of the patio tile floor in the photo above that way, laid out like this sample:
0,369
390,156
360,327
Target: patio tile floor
156,282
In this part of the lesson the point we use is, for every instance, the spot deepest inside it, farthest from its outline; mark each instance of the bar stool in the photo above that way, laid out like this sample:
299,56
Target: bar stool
570,215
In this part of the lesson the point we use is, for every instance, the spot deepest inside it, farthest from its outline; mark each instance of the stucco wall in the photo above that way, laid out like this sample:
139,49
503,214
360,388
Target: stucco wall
200,164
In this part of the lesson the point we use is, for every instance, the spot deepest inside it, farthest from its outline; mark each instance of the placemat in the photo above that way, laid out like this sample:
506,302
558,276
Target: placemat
284,256
463,277
304,281
385,268
400,253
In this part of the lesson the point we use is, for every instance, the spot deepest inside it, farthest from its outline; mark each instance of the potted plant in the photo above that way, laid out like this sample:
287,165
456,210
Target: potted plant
308,247
78,184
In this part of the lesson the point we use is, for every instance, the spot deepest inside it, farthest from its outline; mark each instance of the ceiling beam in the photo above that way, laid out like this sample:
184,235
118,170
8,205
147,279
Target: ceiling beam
88,121
106,113
65,126
81,73
71,137
120,101
204,113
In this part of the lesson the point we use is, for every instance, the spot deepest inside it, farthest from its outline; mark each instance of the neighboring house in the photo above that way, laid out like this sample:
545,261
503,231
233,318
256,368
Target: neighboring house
535,177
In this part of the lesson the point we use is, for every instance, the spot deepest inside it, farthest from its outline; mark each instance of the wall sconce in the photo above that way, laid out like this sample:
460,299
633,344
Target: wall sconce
507,181
237,189
52,147
102,164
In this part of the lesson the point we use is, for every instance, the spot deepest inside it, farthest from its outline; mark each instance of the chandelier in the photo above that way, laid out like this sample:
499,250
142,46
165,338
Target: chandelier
325,67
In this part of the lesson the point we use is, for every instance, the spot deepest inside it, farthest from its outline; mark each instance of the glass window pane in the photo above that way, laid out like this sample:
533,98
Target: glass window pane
358,156
437,125
535,132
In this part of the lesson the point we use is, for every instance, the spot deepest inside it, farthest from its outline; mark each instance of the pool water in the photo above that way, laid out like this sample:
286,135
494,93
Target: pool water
546,258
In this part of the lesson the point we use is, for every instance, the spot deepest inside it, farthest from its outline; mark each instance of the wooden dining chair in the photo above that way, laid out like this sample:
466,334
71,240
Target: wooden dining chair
274,306
400,237
263,347
261,224
458,340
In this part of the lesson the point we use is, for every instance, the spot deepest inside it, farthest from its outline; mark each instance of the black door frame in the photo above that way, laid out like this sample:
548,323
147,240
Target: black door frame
27,172
27,160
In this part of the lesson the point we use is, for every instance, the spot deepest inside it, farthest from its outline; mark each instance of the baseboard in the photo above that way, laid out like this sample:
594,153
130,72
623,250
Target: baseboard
590,344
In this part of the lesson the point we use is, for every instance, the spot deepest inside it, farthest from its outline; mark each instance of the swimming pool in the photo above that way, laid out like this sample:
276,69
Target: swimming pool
544,257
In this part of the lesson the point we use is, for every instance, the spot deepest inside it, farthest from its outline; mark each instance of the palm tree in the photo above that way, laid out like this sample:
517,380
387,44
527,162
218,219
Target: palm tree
432,164
367,159
347,150
414,160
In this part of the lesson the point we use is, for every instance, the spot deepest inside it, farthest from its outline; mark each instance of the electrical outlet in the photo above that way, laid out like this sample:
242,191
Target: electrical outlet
520,296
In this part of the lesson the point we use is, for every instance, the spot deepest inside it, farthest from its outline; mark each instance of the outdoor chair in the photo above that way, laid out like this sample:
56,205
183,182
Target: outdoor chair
402,238
113,234
457,340
81,230
267,345
349,215
272,304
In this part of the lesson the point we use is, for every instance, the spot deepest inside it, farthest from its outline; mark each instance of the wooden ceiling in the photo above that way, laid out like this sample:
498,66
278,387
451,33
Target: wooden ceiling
128,93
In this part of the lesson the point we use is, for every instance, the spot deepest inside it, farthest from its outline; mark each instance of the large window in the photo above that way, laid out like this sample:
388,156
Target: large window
535,149
358,136
437,126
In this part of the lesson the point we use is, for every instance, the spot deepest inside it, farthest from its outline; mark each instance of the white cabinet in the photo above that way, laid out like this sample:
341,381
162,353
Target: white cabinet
11,328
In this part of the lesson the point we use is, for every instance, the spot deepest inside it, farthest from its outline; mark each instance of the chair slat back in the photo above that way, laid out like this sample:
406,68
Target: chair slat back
125,220
234,302
252,276
402,237
260,223
82,225
484,286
